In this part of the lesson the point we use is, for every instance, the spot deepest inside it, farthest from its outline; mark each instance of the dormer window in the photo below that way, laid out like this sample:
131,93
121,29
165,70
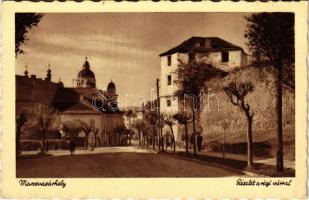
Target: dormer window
169,60
225,56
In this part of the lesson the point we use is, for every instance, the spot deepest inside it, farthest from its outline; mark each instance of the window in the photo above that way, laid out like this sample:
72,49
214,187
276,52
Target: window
168,103
225,56
191,57
169,60
169,80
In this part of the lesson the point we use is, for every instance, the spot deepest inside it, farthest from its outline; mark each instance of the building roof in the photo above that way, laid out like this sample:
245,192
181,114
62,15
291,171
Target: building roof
67,95
202,44
70,100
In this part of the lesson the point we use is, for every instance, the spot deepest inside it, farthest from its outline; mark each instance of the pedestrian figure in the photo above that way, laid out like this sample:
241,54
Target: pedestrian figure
72,146
199,142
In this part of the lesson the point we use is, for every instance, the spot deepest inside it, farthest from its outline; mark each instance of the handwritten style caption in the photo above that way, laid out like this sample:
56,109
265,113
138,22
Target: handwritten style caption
265,183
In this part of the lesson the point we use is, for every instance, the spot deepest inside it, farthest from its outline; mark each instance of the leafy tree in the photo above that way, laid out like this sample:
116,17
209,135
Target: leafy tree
184,119
21,119
271,41
86,128
23,23
237,94
192,76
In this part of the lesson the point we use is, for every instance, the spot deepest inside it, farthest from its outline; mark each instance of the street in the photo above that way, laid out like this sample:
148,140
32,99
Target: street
124,162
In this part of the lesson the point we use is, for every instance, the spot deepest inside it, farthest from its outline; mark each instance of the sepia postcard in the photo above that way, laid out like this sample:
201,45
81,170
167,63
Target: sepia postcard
154,100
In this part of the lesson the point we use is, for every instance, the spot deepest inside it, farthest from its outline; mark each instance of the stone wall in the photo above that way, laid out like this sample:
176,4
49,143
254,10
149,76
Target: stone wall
218,110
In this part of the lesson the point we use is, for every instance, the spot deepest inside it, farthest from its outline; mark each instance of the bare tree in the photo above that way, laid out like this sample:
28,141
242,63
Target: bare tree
45,118
70,128
139,125
184,119
224,126
86,128
21,119
151,116
119,131
237,94
192,77
170,122
95,132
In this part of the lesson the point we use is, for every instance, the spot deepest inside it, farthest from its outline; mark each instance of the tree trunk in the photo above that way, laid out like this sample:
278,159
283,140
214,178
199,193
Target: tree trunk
43,141
95,140
223,148
249,142
143,139
173,138
194,138
154,138
18,132
279,120
86,141
139,138
186,139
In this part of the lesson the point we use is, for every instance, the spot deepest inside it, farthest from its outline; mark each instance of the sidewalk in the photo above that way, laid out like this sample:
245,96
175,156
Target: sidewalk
261,160
263,167
96,150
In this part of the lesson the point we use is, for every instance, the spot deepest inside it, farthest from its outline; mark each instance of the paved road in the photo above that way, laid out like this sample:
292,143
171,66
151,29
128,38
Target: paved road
124,163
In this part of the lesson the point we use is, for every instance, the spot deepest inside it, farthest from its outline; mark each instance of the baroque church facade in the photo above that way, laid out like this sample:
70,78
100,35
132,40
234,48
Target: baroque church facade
83,102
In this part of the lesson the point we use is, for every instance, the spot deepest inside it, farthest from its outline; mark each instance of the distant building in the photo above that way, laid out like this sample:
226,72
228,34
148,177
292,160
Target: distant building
223,54
84,102
132,115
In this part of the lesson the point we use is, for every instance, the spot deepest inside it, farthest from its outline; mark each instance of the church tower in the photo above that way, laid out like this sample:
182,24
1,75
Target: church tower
112,95
48,75
86,77
26,71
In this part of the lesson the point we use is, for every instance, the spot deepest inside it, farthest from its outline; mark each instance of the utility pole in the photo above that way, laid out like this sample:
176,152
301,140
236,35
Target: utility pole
158,116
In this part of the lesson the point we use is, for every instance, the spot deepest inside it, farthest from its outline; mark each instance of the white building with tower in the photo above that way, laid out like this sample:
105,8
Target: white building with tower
223,54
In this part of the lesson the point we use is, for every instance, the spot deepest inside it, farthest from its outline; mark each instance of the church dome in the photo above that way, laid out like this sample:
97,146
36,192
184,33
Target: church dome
86,72
86,78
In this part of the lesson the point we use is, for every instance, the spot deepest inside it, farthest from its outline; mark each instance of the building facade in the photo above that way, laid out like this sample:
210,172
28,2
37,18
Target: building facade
222,54
84,102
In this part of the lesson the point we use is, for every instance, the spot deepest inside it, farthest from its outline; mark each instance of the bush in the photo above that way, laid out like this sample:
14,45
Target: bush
33,145
262,149
30,145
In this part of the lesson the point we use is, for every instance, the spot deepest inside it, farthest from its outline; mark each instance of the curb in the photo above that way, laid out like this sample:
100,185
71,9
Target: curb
254,174
244,172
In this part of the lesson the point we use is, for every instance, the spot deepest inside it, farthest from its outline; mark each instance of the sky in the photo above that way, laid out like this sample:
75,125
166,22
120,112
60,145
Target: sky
123,47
